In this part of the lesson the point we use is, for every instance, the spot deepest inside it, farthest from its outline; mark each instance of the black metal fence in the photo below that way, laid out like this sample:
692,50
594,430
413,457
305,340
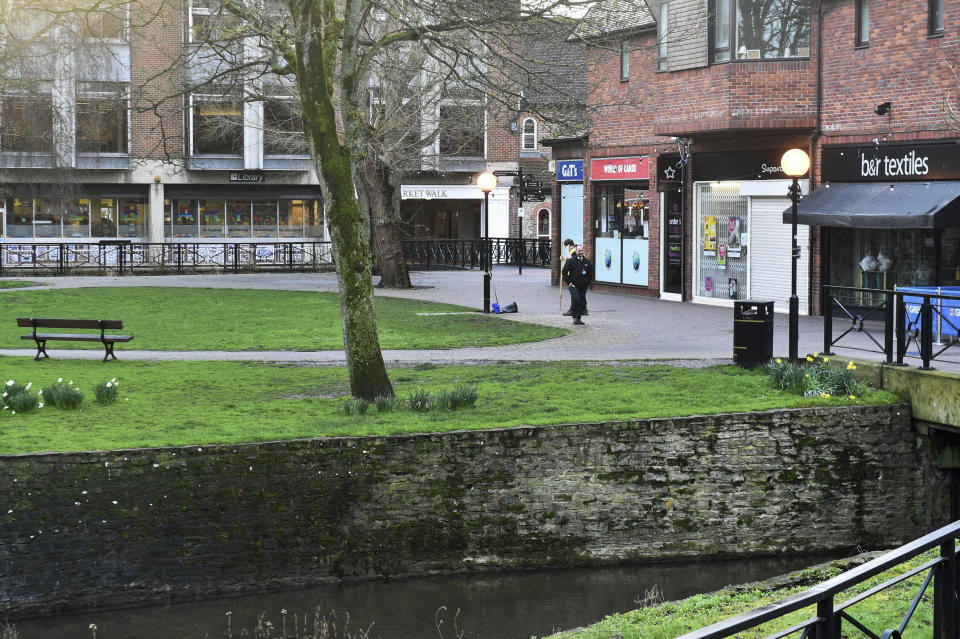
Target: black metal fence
831,615
898,324
126,256
467,253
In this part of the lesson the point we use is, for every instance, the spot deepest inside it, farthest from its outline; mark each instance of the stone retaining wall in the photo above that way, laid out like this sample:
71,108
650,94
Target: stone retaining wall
84,529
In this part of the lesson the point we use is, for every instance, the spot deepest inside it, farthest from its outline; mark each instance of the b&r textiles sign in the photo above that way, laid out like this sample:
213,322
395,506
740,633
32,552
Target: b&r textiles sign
900,162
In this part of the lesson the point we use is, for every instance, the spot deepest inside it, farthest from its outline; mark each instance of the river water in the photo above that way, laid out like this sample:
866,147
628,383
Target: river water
504,605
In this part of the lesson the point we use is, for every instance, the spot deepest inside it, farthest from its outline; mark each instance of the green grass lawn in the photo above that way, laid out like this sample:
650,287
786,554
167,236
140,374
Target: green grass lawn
169,318
18,284
185,403
672,619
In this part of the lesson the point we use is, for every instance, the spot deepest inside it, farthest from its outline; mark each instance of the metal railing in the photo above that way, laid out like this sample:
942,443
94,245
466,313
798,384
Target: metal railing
830,616
467,253
127,256
909,323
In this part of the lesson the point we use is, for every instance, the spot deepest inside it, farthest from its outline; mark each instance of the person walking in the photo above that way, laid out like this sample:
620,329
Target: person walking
578,274
570,248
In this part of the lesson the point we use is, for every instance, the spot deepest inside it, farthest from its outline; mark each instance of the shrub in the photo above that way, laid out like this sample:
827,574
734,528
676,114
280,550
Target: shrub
420,401
65,396
462,396
13,388
384,403
106,392
23,402
355,406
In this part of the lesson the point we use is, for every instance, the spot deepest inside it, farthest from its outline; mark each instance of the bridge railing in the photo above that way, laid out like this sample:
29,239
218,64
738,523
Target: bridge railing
830,617
467,253
913,322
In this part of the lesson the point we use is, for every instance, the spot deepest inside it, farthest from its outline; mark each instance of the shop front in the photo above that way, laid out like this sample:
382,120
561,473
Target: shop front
570,183
890,215
670,170
453,211
621,196
742,249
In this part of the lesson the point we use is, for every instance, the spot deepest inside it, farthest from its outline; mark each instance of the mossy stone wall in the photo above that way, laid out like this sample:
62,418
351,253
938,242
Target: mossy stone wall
95,528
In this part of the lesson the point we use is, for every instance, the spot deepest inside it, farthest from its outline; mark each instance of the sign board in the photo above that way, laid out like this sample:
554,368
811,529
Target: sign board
636,168
895,162
761,164
532,184
569,170
532,197
505,173
246,176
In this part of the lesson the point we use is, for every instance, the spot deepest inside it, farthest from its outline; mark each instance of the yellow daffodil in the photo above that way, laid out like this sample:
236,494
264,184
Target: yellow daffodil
806,374
779,361
809,359
853,397
826,359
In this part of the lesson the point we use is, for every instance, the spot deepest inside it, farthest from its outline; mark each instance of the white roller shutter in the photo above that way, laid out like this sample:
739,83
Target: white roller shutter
770,248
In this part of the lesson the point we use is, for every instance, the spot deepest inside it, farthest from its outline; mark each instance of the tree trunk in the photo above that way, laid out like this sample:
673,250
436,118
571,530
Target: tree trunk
387,237
351,249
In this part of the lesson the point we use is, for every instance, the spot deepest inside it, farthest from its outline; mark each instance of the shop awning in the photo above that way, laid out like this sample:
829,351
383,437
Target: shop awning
875,205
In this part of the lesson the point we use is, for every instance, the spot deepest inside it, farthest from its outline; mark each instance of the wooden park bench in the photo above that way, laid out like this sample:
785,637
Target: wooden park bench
102,325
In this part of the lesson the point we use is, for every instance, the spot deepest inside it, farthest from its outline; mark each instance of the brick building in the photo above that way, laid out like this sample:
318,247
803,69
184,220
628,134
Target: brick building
704,103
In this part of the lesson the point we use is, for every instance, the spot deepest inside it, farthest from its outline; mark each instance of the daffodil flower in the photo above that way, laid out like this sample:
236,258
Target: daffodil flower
9,382
779,361
809,359
826,359
853,397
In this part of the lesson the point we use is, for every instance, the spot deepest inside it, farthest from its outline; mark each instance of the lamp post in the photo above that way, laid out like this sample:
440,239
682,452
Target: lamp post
794,163
486,182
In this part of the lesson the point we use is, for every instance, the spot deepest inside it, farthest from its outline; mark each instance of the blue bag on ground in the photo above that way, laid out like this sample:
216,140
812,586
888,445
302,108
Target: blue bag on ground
509,308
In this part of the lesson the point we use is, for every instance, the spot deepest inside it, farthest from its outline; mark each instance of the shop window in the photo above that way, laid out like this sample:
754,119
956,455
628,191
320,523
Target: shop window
624,60
19,218
529,134
103,217
863,23
663,28
217,126
721,264
211,218
292,213
283,128
622,210
238,219
772,30
183,219
26,124
462,130
47,218
935,17
76,223
264,219
543,223
102,124
132,221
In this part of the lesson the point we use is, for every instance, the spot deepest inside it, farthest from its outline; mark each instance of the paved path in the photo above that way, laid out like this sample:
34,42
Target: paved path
619,326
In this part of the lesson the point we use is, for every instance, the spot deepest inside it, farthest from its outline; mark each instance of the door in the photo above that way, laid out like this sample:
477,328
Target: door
571,212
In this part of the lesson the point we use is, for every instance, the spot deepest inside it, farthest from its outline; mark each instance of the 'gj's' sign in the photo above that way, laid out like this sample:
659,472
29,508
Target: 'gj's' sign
876,163
569,170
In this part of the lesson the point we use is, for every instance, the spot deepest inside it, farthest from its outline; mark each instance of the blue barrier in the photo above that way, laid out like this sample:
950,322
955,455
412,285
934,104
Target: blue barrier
946,311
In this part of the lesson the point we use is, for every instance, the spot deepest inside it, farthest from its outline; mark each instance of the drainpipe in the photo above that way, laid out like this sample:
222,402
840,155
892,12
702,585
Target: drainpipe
814,163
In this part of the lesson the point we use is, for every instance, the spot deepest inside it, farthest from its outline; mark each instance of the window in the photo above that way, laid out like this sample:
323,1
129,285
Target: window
283,128
770,30
26,125
462,130
217,126
209,22
529,134
863,23
133,218
543,223
102,124
105,25
936,17
664,27
624,60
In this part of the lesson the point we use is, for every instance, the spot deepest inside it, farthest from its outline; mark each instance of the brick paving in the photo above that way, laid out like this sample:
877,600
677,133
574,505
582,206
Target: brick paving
619,326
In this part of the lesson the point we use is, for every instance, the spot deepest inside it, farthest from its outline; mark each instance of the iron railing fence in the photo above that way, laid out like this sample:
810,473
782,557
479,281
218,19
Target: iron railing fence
126,256
830,616
468,253
898,324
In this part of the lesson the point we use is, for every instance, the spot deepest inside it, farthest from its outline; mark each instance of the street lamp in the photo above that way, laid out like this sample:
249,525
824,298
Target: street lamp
486,182
794,163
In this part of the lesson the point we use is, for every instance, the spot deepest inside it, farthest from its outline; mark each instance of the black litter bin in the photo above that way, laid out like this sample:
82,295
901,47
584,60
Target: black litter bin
752,333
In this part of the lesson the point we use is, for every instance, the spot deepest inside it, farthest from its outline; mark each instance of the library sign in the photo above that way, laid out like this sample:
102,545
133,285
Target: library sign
886,163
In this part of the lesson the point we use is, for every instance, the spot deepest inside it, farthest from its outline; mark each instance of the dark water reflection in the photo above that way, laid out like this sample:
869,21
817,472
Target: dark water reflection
509,605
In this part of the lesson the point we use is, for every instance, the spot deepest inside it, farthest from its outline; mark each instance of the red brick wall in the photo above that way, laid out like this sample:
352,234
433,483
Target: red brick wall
155,81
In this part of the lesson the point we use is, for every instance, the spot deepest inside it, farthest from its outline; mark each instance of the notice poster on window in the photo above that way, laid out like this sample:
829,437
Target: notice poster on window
722,257
734,241
710,235
732,287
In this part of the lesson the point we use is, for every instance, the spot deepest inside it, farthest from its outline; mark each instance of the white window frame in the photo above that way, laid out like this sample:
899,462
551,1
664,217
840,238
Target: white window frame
528,137
624,60
663,43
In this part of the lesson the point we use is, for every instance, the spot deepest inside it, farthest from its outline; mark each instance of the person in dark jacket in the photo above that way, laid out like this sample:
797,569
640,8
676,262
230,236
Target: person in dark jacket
577,273
570,248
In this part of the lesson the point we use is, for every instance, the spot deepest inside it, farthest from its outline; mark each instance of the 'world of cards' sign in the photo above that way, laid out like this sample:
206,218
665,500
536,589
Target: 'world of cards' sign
620,169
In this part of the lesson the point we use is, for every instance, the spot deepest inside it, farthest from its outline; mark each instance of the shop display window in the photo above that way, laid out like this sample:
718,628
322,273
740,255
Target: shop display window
211,218
291,218
132,218
103,218
77,220
19,222
885,258
622,210
238,219
313,226
46,218
721,256
264,219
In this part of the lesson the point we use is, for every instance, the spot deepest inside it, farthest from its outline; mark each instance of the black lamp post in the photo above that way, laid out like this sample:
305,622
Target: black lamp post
486,182
794,163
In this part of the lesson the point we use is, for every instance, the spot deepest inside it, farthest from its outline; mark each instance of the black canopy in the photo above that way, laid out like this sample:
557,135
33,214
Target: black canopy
875,205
